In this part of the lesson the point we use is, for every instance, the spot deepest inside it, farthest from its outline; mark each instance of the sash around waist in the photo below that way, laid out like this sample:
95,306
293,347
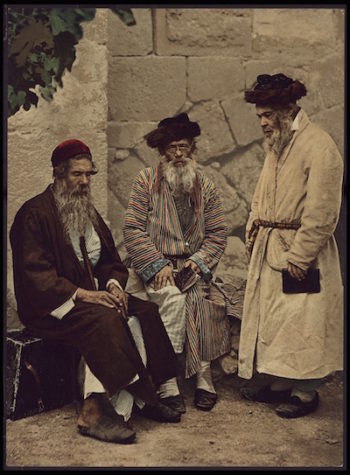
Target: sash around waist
276,224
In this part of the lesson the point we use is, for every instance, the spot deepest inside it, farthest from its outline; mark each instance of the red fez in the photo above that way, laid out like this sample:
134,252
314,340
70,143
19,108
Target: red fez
69,149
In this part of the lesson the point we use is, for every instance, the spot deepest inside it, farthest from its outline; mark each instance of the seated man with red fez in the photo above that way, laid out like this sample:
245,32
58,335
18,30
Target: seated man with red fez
62,253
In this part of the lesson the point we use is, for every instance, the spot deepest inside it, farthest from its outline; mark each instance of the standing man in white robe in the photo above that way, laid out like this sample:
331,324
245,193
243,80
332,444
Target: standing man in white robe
293,340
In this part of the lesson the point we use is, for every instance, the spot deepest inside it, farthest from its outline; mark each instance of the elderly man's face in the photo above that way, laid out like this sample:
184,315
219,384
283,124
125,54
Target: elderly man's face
79,175
268,120
178,152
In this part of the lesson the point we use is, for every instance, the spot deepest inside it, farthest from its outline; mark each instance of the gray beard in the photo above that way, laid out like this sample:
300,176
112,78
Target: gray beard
180,179
280,137
75,210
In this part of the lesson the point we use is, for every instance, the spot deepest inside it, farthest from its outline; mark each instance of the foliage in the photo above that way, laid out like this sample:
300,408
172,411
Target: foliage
41,47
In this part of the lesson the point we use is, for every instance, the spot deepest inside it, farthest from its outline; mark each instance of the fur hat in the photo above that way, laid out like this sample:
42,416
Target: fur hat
172,128
275,90
69,149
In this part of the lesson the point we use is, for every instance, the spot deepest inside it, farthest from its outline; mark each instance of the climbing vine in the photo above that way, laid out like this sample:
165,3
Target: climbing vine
41,47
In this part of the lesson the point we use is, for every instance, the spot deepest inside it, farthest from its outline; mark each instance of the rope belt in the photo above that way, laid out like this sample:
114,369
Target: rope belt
253,232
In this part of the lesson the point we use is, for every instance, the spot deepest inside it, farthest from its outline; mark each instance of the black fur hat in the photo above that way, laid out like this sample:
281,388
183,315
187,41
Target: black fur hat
172,128
275,90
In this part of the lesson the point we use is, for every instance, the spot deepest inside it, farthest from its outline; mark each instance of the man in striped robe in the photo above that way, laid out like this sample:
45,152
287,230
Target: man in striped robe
174,220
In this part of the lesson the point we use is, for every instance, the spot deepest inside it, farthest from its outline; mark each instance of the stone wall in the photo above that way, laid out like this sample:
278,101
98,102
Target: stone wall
200,60
79,110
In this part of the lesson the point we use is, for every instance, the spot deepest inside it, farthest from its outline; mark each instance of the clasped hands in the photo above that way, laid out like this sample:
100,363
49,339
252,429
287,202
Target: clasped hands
296,272
165,275
114,297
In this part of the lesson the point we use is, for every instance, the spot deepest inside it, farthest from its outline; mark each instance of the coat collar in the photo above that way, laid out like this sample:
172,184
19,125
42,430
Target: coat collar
301,121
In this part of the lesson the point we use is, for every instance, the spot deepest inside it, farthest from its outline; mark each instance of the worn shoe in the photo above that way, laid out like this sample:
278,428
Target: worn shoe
176,403
264,394
109,430
160,412
99,420
297,408
204,400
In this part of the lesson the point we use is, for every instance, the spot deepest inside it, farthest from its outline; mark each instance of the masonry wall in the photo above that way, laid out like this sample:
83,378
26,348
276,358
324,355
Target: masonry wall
79,110
198,60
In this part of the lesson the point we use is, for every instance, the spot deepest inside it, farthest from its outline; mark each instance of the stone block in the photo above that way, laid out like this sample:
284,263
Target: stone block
242,119
293,28
146,88
214,78
116,213
328,80
203,32
121,175
149,156
235,209
134,40
243,170
96,30
216,138
339,24
332,121
127,134
234,261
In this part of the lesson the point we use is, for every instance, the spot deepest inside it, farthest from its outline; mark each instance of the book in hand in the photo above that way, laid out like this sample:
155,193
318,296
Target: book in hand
309,285
185,278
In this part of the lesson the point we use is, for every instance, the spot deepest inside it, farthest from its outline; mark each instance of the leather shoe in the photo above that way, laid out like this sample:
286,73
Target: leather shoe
264,394
204,400
109,430
176,403
160,413
297,408
99,420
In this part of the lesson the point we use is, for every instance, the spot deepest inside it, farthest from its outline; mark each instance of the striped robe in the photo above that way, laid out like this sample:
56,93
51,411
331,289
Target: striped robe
152,232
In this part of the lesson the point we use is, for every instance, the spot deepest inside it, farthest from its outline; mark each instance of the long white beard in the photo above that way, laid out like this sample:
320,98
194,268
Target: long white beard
76,210
280,137
180,179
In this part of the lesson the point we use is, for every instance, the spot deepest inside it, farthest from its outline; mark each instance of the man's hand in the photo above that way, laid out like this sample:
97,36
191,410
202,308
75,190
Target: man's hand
296,272
121,296
164,276
100,297
193,266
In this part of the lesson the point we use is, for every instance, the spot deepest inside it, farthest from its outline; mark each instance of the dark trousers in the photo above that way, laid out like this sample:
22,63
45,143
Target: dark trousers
104,339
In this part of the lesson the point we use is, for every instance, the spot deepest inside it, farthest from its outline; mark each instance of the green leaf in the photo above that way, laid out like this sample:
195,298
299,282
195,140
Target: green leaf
51,64
21,96
125,14
58,25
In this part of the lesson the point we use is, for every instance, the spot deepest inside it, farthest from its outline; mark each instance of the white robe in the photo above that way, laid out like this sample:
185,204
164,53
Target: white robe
297,336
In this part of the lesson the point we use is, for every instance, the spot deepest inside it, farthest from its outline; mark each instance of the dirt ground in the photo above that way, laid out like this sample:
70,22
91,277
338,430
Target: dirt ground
236,433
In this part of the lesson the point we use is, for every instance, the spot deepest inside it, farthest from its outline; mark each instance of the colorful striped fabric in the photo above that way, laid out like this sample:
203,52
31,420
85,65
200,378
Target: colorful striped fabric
152,227
152,231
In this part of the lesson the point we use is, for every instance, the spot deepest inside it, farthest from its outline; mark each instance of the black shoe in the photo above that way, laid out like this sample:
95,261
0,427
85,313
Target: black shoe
160,412
297,408
176,403
264,394
204,400
109,429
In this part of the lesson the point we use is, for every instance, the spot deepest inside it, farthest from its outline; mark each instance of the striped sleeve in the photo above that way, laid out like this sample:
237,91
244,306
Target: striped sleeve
215,232
145,258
